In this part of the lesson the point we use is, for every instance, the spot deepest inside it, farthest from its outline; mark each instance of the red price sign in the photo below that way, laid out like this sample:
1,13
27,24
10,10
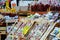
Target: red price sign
14,4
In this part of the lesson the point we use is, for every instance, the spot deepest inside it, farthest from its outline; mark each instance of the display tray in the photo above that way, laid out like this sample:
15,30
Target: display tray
50,36
10,14
33,12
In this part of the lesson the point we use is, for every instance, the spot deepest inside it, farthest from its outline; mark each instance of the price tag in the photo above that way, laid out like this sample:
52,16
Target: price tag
25,29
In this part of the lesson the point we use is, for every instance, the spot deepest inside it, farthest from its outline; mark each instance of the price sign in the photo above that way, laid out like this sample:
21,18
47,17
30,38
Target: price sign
7,4
14,4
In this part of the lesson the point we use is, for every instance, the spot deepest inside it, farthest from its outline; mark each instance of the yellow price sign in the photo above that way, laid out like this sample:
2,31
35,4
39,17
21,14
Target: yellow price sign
25,29
7,4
